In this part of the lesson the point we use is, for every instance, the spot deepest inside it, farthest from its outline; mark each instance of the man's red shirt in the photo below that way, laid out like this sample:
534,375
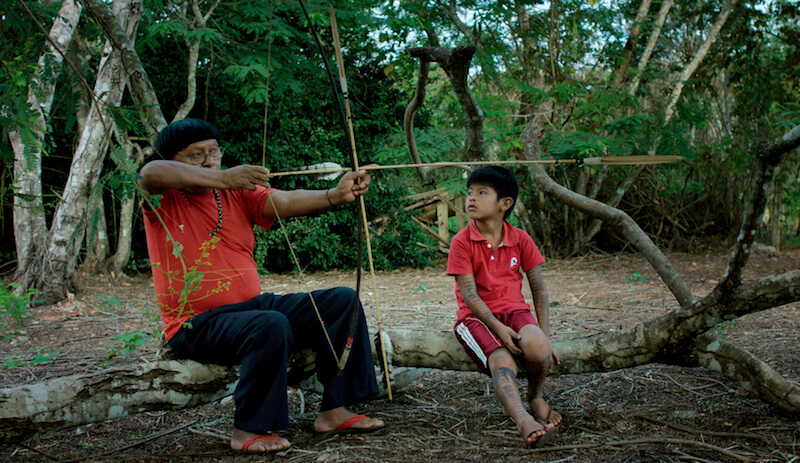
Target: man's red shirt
227,267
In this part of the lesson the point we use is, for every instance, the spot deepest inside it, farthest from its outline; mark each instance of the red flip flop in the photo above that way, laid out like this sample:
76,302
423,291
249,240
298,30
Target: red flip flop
268,437
347,427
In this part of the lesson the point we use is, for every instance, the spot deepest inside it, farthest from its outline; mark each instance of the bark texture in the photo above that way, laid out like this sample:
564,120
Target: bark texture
68,225
30,227
455,63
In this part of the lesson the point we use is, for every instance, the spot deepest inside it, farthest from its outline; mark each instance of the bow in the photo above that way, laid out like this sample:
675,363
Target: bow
365,223
362,225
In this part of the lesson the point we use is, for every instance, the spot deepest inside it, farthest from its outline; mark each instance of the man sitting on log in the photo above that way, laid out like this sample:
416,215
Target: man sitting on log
199,222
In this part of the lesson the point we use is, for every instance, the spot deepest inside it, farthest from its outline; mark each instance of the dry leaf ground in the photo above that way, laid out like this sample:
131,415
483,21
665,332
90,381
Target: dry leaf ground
651,413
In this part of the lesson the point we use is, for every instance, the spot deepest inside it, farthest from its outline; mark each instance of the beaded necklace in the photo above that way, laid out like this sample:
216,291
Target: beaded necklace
219,211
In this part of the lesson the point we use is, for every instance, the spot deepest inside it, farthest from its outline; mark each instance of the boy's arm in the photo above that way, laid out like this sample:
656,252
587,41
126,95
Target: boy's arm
541,303
469,291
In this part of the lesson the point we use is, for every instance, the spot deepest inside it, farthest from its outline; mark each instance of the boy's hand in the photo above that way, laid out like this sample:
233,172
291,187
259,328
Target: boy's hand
556,360
509,337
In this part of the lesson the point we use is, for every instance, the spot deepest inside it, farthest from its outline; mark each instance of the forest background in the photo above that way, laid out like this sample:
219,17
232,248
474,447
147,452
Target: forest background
703,80
86,84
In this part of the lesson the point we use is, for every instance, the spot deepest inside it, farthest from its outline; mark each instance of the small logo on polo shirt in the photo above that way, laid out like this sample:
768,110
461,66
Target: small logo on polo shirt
514,262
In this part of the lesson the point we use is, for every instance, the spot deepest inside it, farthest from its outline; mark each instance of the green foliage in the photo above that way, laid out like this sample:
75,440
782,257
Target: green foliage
560,65
634,277
109,302
128,342
329,240
15,308
40,358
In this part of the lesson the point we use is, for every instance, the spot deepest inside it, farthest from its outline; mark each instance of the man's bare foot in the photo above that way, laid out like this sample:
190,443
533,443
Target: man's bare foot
542,412
254,442
343,420
531,430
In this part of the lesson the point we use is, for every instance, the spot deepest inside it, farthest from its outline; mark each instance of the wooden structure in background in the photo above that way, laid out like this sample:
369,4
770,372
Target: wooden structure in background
433,210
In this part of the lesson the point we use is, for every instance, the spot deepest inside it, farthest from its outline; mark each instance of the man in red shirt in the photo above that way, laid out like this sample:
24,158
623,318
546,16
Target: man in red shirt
494,322
199,222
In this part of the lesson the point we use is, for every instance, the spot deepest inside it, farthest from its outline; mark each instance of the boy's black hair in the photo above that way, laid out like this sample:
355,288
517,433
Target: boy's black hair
502,180
180,134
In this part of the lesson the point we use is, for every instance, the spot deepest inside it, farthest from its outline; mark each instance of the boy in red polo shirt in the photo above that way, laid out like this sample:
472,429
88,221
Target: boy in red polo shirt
495,323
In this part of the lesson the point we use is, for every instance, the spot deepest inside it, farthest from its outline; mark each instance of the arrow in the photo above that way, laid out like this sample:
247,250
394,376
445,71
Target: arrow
330,170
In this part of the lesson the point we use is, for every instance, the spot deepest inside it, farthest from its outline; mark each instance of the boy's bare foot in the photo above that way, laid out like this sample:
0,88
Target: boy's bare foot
244,441
342,420
542,412
531,430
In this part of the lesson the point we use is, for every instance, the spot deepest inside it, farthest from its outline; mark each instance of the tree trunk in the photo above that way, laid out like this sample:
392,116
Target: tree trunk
408,119
139,84
30,228
633,37
119,260
78,399
651,45
456,64
197,21
68,226
686,74
97,246
173,384
698,58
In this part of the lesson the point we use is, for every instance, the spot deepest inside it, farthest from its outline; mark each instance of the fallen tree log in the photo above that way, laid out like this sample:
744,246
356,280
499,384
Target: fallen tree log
112,393
174,384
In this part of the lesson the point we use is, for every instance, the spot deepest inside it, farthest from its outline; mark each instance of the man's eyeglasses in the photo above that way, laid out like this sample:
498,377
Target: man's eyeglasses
200,156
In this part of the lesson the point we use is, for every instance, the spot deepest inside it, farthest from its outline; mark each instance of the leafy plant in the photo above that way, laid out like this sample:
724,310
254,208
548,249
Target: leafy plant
10,363
129,342
15,308
44,357
634,277
109,302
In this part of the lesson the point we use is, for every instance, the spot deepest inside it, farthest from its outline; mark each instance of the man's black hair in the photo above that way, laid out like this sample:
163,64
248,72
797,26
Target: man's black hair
502,180
180,134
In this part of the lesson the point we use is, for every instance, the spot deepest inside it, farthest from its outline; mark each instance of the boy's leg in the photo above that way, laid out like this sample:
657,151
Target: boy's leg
536,348
503,370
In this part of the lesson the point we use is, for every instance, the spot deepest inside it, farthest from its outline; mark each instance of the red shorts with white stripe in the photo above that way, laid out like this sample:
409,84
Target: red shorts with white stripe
480,341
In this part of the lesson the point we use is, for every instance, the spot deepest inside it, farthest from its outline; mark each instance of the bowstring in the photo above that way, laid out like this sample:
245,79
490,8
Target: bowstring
361,201
300,272
360,232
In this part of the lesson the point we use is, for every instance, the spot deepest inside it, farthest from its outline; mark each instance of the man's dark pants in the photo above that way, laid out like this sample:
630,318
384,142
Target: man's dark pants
259,335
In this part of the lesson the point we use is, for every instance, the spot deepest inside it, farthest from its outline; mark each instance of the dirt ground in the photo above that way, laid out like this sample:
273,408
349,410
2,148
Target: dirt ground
649,413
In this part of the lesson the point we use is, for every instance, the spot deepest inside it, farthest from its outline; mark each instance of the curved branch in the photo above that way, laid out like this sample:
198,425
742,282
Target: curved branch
140,87
408,118
751,373
612,216
768,157
456,64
